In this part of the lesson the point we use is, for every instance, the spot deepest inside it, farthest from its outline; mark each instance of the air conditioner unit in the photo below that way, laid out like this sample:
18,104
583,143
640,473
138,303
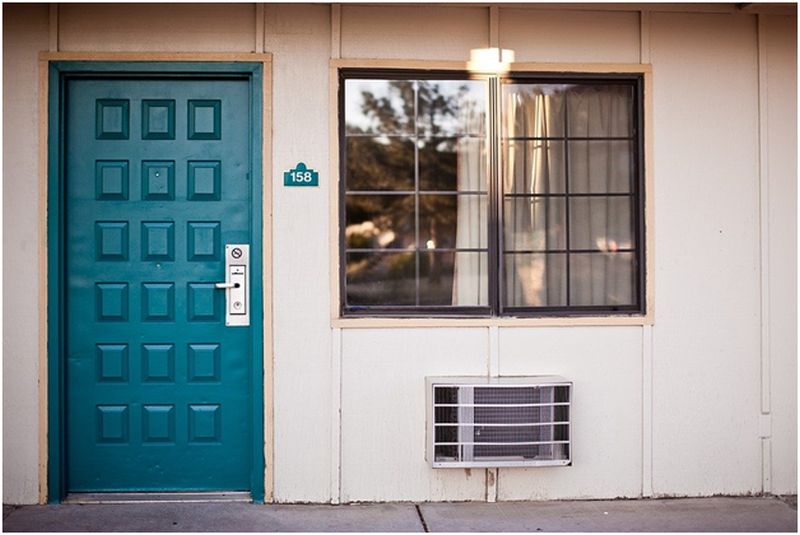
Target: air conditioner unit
498,422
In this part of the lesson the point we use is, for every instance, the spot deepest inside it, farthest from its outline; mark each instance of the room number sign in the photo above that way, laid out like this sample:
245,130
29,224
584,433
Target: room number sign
301,176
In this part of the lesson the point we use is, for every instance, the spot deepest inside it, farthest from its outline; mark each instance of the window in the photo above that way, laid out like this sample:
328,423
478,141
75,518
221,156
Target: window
507,196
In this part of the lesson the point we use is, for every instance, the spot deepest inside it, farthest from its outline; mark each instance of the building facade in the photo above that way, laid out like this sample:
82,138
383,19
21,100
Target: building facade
683,368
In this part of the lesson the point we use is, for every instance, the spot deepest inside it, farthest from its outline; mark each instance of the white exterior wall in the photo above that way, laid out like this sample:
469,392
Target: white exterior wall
605,367
413,32
589,37
299,38
672,409
706,366
156,28
21,44
383,412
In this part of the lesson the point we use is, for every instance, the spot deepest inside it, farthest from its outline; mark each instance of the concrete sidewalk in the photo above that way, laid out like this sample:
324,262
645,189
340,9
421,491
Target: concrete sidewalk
695,514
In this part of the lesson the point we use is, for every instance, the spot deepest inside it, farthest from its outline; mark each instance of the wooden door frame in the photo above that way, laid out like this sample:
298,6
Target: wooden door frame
54,69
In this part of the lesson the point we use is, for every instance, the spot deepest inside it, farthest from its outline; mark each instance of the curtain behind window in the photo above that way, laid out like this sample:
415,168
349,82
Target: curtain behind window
534,224
471,277
557,140
601,166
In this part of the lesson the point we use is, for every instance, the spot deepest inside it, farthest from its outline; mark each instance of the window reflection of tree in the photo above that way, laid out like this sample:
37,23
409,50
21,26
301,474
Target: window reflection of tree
407,116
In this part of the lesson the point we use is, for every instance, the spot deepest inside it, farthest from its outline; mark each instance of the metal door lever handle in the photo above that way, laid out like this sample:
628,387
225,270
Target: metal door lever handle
236,284
226,284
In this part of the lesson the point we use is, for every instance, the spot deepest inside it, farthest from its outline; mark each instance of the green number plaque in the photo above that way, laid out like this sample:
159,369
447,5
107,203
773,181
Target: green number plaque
301,176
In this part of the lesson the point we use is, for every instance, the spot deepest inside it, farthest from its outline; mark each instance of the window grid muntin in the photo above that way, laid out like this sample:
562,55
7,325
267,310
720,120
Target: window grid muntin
494,141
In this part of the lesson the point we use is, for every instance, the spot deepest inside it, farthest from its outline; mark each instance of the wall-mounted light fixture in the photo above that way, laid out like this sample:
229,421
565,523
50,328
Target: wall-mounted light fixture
490,60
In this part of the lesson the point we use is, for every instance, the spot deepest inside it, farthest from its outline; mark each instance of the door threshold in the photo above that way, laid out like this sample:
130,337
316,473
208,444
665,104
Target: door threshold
156,497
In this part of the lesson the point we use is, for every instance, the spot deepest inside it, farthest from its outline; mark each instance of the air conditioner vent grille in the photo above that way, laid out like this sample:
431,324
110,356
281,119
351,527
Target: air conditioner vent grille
498,424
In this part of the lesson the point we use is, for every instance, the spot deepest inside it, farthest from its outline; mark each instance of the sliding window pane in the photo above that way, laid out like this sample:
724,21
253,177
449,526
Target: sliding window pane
379,164
600,110
533,167
533,110
535,224
600,223
381,279
600,166
452,164
453,278
453,221
380,221
379,106
602,279
451,108
536,280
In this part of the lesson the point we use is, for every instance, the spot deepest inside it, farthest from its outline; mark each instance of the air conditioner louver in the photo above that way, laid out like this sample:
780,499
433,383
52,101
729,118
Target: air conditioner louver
505,421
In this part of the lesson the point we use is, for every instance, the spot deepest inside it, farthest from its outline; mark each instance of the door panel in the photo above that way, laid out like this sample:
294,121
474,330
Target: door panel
159,390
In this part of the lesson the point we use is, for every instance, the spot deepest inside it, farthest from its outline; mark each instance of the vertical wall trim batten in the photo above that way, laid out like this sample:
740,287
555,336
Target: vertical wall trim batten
644,36
336,415
494,27
492,365
493,370
53,26
763,194
336,31
259,40
647,410
763,224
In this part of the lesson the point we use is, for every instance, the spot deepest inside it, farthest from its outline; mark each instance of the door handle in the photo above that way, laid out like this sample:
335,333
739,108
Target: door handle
236,284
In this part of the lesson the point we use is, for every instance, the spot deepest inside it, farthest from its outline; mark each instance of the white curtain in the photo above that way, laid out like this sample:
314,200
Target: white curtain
534,224
471,278
603,223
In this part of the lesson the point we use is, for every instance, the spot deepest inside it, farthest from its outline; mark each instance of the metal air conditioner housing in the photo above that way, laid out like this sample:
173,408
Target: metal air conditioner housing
491,422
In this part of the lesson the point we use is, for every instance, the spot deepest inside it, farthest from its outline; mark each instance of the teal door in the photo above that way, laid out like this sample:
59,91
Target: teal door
158,179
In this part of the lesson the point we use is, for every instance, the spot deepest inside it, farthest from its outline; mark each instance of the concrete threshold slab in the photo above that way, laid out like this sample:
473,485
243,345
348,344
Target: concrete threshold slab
655,515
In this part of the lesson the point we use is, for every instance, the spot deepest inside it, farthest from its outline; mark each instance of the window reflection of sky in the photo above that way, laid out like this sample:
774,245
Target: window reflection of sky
354,114
468,98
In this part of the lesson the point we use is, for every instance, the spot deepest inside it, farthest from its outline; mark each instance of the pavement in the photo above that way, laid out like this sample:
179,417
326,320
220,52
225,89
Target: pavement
722,514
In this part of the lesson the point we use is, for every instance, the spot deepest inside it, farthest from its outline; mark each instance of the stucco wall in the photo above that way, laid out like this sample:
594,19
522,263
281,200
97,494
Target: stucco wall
672,409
